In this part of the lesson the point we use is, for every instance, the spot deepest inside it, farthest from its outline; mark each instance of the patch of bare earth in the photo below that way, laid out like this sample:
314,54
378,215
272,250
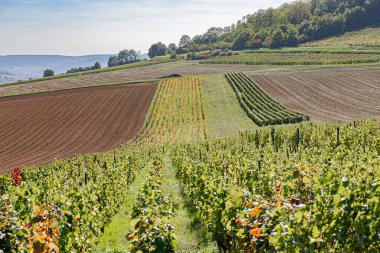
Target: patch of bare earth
338,94
38,128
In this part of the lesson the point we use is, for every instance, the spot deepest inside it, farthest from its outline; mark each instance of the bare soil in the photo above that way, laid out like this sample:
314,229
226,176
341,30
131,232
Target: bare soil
184,68
327,95
36,129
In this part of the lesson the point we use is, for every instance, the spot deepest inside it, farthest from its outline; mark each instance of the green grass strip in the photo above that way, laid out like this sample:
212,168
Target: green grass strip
114,239
190,234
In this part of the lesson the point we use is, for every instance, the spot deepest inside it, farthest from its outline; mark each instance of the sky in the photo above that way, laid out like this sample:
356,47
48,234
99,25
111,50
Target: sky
81,27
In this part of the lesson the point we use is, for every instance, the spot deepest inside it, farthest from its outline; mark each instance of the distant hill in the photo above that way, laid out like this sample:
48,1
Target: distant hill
22,67
369,37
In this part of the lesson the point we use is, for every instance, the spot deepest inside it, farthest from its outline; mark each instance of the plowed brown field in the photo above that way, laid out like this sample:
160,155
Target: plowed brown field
35,129
327,94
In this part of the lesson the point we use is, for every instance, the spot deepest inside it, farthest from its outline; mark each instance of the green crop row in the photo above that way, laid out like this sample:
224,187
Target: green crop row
314,188
151,230
295,59
260,107
65,206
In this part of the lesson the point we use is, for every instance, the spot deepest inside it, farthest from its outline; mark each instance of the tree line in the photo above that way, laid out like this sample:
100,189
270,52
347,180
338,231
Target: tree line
289,25
81,69
124,57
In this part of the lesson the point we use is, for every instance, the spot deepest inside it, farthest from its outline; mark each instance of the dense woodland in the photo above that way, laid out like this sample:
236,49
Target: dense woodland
289,25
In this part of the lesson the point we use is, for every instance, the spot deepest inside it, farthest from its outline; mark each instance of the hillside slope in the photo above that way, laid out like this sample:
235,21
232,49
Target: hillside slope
123,75
369,37
344,94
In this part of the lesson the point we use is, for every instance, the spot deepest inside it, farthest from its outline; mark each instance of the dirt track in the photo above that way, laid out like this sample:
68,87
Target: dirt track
38,128
327,94
142,73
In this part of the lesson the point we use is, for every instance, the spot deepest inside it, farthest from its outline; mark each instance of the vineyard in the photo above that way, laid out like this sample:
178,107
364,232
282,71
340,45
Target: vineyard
65,205
177,112
312,188
260,107
295,59
369,37
150,214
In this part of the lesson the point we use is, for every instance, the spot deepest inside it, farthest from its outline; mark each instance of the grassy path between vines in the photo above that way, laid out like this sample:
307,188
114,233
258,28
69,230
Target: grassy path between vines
224,115
114,238
190,235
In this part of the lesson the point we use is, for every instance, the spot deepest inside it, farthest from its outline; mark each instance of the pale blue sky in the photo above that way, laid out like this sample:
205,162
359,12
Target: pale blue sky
78,27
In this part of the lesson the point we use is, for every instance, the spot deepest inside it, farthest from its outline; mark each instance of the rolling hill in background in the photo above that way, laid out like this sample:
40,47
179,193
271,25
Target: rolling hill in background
21,67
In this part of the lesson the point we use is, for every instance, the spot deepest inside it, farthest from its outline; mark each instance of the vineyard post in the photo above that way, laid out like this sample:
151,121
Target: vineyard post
298,137
200,154
337,136
85,178
261,156
272,136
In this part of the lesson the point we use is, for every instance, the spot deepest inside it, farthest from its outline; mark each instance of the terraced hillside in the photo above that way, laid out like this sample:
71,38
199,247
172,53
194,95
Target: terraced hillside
38,128
327,94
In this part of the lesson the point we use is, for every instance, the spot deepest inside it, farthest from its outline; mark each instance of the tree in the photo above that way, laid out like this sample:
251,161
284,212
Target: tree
157,49
124,57
288,25
184,41
173,55
97,65
172,48
241,41
256,41
276,39
112,61
48,72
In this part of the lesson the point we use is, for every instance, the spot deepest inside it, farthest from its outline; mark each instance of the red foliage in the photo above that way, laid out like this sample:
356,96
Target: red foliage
16,176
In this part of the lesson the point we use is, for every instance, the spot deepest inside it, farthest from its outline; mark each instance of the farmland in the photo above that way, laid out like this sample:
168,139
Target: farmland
261,108
285,189
224,116
247,138
120,76
41,127
369,37
295,59
327,94
177,113
201,167
296,189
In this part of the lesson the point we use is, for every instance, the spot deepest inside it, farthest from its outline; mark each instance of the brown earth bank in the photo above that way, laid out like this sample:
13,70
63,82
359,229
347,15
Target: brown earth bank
331,94
36,129
183,68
